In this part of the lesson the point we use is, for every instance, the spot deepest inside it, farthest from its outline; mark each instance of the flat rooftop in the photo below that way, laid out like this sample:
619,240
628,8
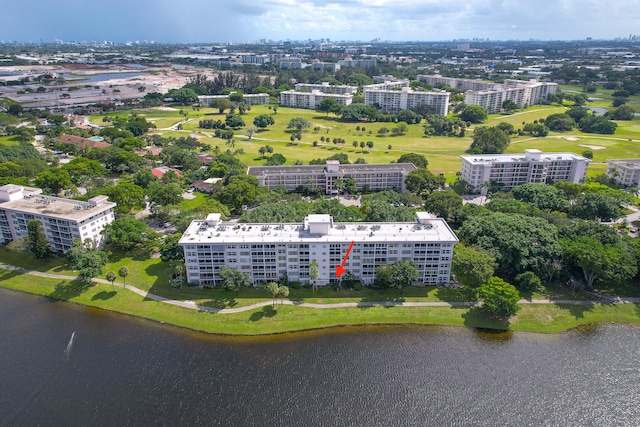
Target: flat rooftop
319,169
627,163
56,207
436,230
509,158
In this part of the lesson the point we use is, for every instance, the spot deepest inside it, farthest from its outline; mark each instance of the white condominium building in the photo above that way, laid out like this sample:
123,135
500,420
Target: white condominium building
63,220
392,101
491,95
624,171
268,251
325,87
296,99
505,171
374,177
248,98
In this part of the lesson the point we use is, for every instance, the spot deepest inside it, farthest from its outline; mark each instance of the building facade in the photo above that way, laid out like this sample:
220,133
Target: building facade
392,101
267,251
296,99
325,87
332,175
624,172
248,98
505,171
62,219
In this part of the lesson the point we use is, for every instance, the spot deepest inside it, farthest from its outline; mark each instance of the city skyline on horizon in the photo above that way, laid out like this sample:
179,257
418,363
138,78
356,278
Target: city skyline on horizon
348,20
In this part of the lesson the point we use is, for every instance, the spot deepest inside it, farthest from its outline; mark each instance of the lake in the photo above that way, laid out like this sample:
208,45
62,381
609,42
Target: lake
64,364
94,78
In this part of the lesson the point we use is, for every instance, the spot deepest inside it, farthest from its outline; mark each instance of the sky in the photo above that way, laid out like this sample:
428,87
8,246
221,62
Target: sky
221,21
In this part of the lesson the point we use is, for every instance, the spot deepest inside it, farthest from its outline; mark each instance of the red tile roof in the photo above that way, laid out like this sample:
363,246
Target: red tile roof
82,142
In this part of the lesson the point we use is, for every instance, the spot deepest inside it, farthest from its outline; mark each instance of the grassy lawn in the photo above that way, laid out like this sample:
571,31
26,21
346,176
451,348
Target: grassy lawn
8,140
546,318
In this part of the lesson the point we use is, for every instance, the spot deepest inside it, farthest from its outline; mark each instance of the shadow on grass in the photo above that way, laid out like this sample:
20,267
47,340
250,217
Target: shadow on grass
462,294
373,299
476,317
577,310
66,290
266,312
221,302
104,295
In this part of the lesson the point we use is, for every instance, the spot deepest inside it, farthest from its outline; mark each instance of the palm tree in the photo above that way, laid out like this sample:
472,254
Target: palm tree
123,272
111,276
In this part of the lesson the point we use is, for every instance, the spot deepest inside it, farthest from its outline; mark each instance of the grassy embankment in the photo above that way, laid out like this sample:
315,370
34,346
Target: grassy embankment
150,275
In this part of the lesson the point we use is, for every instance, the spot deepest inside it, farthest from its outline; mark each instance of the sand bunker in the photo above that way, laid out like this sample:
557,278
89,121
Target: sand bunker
572,138
593,147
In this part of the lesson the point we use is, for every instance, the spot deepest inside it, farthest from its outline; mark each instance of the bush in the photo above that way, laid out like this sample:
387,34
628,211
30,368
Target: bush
307,286
357,286
295,285
528,282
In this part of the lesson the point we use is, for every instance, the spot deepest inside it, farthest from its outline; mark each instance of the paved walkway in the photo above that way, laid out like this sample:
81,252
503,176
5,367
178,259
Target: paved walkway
192,305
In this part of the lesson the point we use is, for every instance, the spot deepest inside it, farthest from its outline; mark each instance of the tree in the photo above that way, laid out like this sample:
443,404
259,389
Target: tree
499,298
15,109
519,243
528,281
298,123
283,292
359,79
409,117
111,276
240,191
183,96
274,290
233,279
540,130
126,233
400,129
421,181
127,196
472,266
383,131
560,122
624,112
313,274
473,114
543,196
263,120
597,124
329,105
123,272
506,128
370,145
38,244
85,258
164,194
509,106
234,121
444,204
221,104
596,206
418,160
276,160
170,250
489,140
384,277
404,273
54,181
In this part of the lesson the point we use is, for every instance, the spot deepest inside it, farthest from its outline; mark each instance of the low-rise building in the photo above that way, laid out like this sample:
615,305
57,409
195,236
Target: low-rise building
268,251
325,87
248,98
505,171
624,172
297,99
374,177
62,219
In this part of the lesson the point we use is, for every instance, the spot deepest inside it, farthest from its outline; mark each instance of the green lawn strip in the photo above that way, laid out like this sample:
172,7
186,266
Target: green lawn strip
52,264
547,318
9,140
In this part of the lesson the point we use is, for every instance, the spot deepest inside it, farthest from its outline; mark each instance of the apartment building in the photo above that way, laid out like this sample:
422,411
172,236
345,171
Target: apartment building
375,177
63,220
505,171
268,251
392,101
491,95
296,99
248,98
624,172
325,87
361,63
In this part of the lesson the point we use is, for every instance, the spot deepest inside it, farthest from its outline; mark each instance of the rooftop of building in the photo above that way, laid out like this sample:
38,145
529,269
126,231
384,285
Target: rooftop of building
82,142
531,155
31,200
626,163
425,228
319,169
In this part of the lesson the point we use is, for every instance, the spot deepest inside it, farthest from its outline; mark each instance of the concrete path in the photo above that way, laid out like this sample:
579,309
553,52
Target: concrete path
193,306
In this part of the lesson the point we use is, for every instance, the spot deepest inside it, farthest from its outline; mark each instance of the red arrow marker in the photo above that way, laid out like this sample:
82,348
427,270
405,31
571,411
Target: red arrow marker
340,270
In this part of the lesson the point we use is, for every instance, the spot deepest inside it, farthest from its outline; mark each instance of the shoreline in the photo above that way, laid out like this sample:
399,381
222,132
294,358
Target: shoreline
268,321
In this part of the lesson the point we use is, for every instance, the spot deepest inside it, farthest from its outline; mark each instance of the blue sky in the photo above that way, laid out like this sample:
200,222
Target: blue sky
248,20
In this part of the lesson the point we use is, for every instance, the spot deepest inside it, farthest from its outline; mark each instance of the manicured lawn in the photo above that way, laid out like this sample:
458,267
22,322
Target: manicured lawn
9,140
546,318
